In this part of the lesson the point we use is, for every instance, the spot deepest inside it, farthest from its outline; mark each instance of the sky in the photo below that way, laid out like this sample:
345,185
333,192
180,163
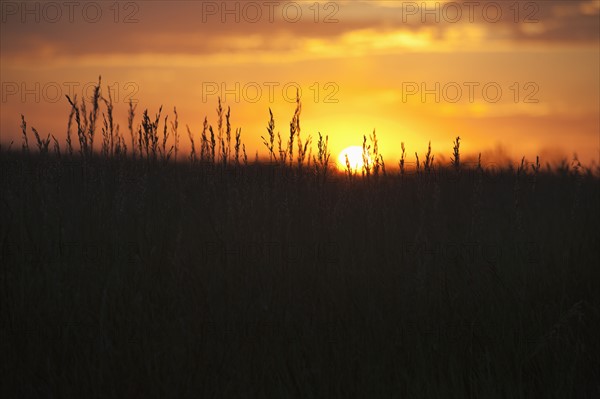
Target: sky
510,78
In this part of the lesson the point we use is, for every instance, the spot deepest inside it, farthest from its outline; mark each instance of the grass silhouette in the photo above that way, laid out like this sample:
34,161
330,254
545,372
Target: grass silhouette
132,270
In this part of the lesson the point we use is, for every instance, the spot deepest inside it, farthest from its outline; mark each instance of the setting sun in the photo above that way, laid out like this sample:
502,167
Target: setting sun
355,159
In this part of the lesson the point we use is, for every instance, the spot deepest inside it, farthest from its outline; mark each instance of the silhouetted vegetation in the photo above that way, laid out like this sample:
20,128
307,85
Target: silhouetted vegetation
134,271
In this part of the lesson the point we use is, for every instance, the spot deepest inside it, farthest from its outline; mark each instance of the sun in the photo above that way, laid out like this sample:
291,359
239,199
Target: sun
355,159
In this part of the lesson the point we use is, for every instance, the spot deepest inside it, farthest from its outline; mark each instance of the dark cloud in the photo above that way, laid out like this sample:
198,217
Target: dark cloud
194,27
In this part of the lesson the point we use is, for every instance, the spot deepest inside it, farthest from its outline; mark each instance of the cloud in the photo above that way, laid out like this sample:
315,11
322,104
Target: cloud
185,28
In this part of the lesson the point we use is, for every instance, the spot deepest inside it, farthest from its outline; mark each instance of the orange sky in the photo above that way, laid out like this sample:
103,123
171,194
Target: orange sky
415,71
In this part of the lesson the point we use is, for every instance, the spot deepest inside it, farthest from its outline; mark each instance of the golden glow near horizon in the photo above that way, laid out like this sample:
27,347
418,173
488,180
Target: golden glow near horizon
353,156
521,77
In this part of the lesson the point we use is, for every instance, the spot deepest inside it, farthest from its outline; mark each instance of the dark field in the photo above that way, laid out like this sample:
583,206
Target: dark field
128,277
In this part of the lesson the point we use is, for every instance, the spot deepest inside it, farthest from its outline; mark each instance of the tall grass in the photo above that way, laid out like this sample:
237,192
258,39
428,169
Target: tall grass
128,273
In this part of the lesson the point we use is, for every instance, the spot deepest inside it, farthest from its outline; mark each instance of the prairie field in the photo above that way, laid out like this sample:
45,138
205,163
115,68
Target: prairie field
133,269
